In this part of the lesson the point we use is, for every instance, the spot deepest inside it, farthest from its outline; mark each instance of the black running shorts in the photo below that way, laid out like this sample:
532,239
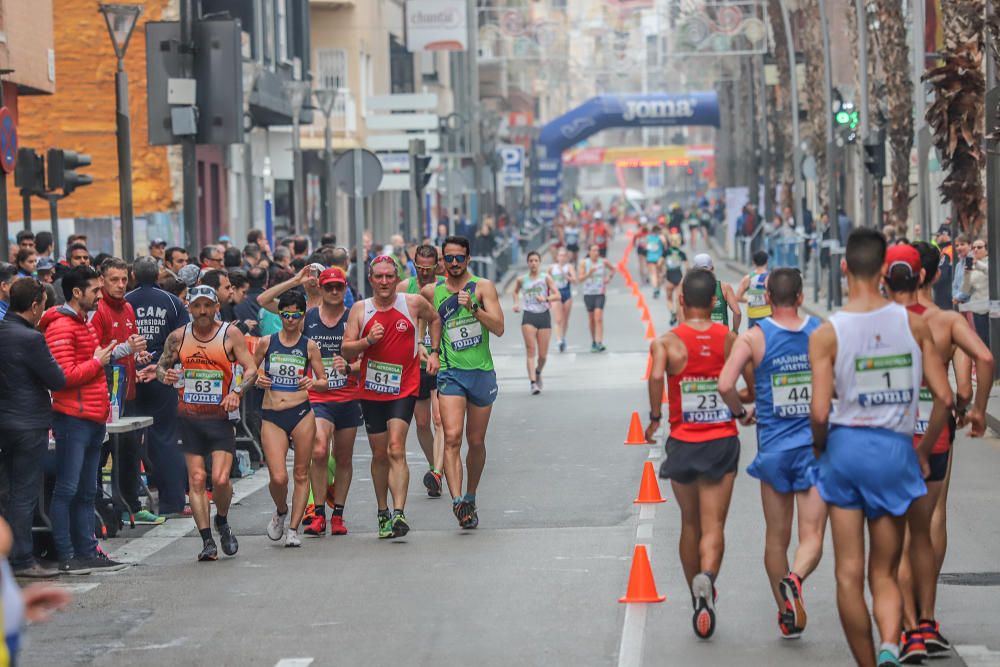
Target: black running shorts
201,437
593,302
687,462
378,413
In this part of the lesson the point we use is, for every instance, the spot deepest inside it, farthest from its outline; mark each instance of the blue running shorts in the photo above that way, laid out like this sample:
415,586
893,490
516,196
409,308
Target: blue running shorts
788,471
478,387
870,469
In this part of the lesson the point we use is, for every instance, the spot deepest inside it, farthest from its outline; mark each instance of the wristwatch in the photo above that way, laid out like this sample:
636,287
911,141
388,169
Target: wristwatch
474,306
238,389
434,350
655,418
742,414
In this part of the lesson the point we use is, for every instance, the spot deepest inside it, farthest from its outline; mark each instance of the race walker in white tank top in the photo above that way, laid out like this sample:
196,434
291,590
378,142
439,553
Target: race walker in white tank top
531,289
594,284
878,371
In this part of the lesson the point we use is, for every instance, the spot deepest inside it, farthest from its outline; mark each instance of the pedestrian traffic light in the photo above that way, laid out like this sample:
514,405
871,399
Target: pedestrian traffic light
62,170
847,116
875,153
29,175
422,163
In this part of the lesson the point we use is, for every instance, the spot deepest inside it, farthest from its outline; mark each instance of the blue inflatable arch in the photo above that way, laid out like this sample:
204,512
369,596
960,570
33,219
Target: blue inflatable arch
599,113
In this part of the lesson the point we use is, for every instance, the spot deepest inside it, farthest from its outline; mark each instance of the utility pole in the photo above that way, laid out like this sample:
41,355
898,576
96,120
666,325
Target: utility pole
4,229
189,156
796,133
863,116
921,132
831,147
475,143
992,183
417,148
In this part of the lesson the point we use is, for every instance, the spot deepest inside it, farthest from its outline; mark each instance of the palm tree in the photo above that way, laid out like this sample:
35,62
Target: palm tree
956,117
895,52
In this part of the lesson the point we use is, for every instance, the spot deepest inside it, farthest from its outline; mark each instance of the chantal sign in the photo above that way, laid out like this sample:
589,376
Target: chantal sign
657,109
436,25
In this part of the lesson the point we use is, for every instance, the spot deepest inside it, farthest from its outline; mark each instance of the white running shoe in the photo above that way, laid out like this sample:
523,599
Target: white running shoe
292,539
276,527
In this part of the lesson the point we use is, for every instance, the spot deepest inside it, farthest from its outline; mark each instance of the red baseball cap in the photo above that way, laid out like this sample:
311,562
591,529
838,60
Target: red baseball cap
903,254
334,274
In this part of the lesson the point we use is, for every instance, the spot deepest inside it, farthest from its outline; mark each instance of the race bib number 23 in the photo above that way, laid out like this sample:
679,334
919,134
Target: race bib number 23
702,404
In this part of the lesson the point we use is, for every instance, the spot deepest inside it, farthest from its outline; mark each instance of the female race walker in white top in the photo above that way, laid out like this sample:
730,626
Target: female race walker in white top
564,275
536,325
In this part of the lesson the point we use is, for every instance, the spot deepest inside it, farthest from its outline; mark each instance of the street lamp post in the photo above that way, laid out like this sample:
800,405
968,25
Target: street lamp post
121,20
327,98
297,91
251,72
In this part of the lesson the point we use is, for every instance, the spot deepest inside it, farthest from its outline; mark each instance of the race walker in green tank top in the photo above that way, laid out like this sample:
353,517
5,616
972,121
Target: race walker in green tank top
720,311
465,342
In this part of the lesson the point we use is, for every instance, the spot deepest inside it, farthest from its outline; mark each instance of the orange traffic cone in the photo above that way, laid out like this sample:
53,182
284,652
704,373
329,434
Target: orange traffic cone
650,331
649,489
641,587
636,436
649,367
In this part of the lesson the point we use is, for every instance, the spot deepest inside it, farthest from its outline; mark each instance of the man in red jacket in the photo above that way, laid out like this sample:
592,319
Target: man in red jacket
115,320
81,410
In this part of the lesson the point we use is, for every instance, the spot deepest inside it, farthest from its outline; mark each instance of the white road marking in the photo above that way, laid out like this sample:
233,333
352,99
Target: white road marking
644,533
654,453
978,656
633,631
139,549
647,512
294,662
77,588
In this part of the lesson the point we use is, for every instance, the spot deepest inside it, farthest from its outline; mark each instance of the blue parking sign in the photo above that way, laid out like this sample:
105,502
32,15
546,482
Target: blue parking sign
512,169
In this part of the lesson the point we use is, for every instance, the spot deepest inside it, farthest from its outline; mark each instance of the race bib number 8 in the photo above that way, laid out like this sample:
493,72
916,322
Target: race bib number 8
334,379
285,371
791,394
383,378
886,380
203,387
464,332
924,408
702,404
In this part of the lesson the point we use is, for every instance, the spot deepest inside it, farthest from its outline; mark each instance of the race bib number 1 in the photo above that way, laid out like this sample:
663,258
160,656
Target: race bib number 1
383,378
203,387
702,404
464,332
791,394
886,380
924,408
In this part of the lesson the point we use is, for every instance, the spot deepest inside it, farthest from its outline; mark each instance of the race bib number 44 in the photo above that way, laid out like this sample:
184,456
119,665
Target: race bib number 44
383,378
464,332
885,380
203,387
791,394
702,404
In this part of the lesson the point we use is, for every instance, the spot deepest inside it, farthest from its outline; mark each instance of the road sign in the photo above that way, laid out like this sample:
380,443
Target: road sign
512,167
8,141
371,172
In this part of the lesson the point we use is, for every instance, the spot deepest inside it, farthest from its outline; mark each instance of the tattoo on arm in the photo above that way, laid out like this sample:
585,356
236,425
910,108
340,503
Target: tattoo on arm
169,356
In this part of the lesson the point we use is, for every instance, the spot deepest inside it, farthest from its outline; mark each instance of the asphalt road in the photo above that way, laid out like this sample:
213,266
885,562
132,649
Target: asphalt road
537,583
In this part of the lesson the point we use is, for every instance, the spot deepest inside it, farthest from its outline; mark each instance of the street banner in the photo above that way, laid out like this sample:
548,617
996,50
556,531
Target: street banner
436,25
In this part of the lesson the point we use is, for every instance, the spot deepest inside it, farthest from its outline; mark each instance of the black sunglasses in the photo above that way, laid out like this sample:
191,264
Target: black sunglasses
455,258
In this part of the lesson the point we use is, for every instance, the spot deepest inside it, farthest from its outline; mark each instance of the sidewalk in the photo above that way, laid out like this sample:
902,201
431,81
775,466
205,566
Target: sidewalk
819,310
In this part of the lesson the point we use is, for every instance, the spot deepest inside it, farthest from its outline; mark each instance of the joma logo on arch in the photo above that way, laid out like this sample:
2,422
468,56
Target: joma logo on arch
658,109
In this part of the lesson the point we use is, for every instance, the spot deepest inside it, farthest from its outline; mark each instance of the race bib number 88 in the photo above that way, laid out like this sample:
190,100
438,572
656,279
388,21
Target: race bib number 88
285,371
791,394
885,380
702,404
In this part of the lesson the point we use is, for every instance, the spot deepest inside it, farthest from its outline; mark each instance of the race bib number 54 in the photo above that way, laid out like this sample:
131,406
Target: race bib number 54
885,380
702,404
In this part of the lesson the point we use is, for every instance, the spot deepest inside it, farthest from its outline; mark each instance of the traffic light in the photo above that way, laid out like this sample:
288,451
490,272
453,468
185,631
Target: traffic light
421,165
29,175
875,153
62,170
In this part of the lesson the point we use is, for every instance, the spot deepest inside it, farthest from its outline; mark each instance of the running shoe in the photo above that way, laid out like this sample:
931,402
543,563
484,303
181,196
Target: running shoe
791,593
786,623
399,526
384,526
535,389
309,513
593,347
432,480
704,605
292,539
933,639
337,526
472,521
101,562
209,551
887,659
601,348
229,544
562,345
316,526
276,527
656,294
462,510
143,518
913,651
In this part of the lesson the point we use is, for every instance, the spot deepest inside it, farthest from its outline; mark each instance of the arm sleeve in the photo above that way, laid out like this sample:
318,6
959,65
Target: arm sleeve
62,342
